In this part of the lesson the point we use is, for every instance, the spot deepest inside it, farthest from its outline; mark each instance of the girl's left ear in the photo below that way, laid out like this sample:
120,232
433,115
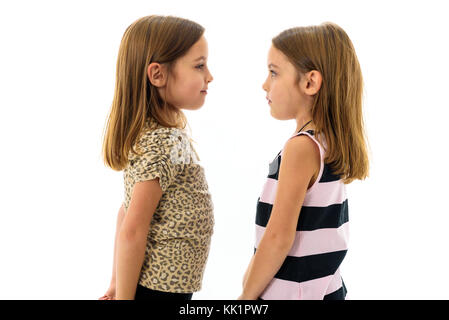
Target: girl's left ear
312,82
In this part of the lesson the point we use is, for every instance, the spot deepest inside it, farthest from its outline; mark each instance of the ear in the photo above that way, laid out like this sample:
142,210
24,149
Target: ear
157,74
312,82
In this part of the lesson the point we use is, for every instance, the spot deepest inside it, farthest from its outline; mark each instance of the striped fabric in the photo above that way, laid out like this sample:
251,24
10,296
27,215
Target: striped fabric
311,268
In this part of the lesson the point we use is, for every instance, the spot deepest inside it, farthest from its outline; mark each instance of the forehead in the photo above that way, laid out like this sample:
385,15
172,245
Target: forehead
199,49
276,58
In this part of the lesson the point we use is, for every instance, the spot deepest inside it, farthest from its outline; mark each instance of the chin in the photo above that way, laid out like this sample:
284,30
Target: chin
279,117
274,115
196,107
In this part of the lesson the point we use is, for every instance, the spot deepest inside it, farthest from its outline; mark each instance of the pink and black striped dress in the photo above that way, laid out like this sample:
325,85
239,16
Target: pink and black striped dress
311,269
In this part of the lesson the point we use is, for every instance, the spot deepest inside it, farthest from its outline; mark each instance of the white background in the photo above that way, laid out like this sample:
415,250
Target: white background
59,202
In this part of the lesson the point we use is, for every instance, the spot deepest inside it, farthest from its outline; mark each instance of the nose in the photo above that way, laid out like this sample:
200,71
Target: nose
264,86
209,76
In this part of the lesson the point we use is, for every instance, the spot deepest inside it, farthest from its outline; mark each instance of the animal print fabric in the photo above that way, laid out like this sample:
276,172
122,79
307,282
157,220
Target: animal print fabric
180,232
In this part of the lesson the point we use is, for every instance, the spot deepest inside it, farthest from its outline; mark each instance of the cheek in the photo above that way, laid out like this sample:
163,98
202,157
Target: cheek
191,86
185,92
277,92
196,85
283,106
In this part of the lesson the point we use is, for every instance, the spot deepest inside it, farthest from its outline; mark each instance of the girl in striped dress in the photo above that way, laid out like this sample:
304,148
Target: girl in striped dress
302,213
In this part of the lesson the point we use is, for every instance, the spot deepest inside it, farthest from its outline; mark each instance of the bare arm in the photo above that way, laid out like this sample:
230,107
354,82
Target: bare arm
250,265
132,238
120,216
110,293
300,162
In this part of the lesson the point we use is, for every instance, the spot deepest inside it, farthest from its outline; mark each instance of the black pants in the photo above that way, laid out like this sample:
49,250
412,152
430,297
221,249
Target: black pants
143,293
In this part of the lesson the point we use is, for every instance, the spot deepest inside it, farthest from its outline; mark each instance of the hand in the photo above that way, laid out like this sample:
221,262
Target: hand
110,293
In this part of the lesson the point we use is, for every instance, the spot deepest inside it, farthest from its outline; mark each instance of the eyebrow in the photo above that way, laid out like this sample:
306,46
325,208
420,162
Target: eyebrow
201,58
273,65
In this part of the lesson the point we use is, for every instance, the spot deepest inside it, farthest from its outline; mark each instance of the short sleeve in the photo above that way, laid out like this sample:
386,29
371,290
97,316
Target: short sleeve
154,160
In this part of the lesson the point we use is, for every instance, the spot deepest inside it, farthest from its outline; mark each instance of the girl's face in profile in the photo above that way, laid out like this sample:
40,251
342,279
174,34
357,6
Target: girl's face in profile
188,82
283,91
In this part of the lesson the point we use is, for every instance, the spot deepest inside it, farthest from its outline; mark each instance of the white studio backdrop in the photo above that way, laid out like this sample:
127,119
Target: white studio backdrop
59,202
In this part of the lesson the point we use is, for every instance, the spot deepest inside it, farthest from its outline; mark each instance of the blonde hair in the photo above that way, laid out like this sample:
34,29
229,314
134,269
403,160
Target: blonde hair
136,101
337,107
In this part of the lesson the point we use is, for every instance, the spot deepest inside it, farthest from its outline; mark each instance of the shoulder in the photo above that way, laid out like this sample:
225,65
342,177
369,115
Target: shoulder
301,156
301,147
159,139
160,135
300,163
169,143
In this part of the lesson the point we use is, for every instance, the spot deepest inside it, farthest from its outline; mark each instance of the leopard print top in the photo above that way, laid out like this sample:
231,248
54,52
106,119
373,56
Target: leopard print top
180,232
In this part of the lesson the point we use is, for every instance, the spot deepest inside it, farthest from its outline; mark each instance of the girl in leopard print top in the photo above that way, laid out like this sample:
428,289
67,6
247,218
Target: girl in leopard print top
165,224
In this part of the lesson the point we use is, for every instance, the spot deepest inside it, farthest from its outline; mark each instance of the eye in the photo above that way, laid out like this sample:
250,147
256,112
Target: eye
272,73
200,66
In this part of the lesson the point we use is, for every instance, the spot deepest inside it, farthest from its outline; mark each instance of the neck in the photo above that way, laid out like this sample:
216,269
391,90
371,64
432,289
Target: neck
302,121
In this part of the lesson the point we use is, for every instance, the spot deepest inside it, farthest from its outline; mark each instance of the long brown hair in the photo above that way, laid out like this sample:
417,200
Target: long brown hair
137,102
337,109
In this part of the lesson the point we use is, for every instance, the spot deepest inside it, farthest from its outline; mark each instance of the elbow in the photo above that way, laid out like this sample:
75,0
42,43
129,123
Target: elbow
131,235
283,241
127,235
